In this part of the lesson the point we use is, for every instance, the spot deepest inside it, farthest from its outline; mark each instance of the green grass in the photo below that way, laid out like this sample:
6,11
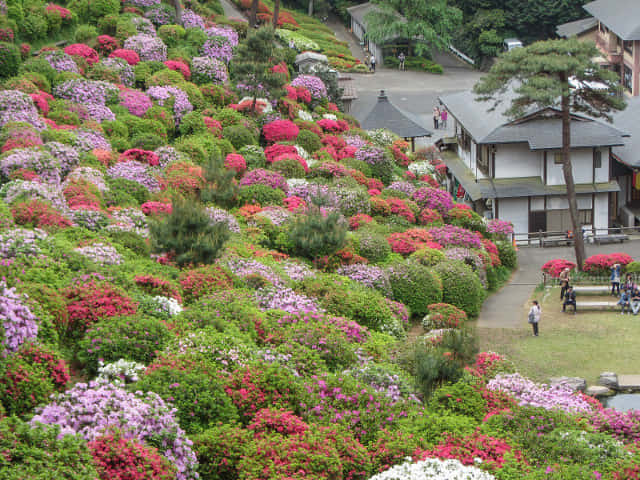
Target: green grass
582,345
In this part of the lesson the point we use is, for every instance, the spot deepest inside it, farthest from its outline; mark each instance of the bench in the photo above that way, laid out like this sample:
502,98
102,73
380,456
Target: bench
556,241
592,289
618,237
604,305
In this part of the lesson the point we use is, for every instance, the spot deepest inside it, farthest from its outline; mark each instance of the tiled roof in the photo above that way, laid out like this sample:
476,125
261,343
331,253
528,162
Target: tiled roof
386,115
621,16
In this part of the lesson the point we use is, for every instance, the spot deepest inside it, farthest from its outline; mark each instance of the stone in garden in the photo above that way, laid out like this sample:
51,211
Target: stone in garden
310,60
575,383
608,379
598,391
630,383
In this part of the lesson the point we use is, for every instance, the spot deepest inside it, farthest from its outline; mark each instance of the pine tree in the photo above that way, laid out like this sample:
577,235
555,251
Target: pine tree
189,234
220,187
318,234
255,57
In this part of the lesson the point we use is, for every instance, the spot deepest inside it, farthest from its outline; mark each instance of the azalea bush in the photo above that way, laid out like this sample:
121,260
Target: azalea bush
556,266
601,263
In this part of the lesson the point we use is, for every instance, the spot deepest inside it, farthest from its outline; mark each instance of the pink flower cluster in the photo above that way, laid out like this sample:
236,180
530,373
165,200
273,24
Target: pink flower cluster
280,131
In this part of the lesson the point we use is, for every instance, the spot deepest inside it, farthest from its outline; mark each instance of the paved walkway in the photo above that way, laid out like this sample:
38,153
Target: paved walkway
230,10
508,307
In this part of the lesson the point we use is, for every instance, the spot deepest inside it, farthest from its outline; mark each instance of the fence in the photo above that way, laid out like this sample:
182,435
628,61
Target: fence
581,278
461,55
535,238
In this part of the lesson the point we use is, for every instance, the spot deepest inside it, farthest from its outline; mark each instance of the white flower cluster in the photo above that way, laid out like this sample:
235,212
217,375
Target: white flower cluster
382,137
126,371
329,116
421,168
305,116
302,152
168,305
433,468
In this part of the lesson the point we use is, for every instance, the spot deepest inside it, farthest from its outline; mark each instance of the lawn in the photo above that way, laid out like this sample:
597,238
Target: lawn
582,345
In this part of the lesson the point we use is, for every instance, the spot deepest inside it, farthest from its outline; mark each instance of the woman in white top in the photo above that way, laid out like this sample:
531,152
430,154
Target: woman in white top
534,316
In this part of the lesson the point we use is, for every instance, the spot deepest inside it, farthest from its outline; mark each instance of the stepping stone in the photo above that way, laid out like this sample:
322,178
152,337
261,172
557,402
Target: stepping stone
575,383
598,391
608,379
629,382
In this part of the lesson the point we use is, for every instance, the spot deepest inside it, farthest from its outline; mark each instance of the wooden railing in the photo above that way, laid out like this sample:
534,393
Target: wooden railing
534,238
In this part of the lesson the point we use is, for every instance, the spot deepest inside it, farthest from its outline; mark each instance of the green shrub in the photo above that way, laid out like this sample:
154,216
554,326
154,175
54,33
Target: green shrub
432,428
195,37
508,255
415,285
260,194
239,136
132,241
220,449
36,452
633,267
86,34
9,59
101,8
461,398
314,235
134,189
218,95
171,35
359,165
461,286
41,66
290,168
373,247
192,123
34,26
165,77
428,257
23,386
254,156
200,399
309,141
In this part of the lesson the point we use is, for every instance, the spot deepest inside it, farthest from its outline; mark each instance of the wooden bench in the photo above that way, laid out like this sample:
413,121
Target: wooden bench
604,305
556,241
592,289
618,237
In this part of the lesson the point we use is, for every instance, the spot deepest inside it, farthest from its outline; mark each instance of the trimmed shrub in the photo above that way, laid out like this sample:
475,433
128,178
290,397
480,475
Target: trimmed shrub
309,141
508,255
373,247
261,195
428,257
9,60
239,136
415,285
462,288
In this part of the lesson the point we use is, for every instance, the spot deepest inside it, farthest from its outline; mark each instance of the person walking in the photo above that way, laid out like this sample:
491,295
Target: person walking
564,281
534,316
436,117
401,60
615,279
373,63
444,115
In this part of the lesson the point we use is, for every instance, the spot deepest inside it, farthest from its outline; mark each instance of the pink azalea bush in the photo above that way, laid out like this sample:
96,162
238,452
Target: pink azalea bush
554,267
280,131
602,262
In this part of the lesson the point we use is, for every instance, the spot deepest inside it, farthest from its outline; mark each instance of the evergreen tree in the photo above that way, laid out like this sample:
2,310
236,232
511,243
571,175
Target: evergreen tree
189,234
255,57
539,75
220,187
317,234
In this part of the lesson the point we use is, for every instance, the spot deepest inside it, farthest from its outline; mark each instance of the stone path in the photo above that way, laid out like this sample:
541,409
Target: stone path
230,10
508,307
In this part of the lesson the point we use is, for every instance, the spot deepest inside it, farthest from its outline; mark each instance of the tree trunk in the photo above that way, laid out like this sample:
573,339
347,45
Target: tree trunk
567,171
253,13
276,13
178,6
310,12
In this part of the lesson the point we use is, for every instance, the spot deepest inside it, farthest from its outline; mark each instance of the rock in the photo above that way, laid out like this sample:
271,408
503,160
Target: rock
575,383
609,380
599,391
629,383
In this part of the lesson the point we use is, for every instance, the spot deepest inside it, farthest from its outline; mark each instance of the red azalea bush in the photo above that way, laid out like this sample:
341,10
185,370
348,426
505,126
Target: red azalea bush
38,214
88,302
84,51
249,210
184,177
601,263
155,208
41,100
64,13
213,125
81,195
235,161
277,150
411,240
106,44
204,280
281,68
157,286
333,126
117,458
6,35
554,267
399,207
178,66
358,220
491,451
488,364
280,130
292,156
140,155
270,420
55,366
129,56
379,206
391,448
492,250
295,204
444,315
429,216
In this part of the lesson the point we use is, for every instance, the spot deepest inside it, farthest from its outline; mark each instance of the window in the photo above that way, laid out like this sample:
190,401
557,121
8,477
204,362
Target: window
597,158
627,78
483,158
585,217
557,158
628,46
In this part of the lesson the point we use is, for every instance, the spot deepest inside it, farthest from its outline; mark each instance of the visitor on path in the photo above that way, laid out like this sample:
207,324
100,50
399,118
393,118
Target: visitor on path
373,63
628,282
564,281
625,301
436,117
615,279
401,60
444,115
534,316
569,299
635,300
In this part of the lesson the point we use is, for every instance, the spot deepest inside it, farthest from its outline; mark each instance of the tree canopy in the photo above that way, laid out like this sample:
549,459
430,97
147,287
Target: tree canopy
432,21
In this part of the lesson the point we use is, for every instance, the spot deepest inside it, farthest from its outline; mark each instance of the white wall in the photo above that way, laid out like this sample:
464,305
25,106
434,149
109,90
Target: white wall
582,163
602,173
516,211
601,210
516,160
561,202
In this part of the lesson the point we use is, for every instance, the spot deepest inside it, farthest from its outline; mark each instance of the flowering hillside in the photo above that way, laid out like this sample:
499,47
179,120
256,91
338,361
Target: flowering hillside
209,271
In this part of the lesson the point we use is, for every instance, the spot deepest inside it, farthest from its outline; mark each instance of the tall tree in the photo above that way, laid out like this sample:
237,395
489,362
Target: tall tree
431,21
310,10
253,13
276,12
540,77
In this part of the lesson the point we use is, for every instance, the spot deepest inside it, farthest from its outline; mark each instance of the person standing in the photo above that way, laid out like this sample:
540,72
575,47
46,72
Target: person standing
373,63
564,281
401,60
534,316
615,279
444,115
436,117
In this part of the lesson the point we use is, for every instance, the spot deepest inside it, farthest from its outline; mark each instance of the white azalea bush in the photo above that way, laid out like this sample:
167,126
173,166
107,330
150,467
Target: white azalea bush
433,468
126,371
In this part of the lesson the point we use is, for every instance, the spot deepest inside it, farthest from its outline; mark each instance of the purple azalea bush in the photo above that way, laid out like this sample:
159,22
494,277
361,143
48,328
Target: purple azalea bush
101,253
191,19
86,92
91,175
65,156
61,62
368,275
136,102
221,31
282,298
88,140
244,267
18,322
265,177
314,84
122,68
16,106
499,227
148,48
433,198
39,161
28,190
181,103
136,172
219,215
208,70
217,47
92,409
20,241
452,236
